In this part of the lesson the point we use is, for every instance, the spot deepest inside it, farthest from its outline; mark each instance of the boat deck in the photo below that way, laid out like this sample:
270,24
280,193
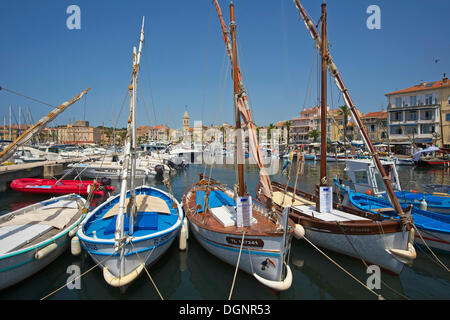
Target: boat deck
425,219
154,214
30,227
335,215
221,215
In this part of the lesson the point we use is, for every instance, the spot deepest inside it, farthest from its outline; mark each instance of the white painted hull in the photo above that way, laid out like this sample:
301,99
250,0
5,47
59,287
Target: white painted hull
434,239
253,259
20,267
374,249
145,249
148,252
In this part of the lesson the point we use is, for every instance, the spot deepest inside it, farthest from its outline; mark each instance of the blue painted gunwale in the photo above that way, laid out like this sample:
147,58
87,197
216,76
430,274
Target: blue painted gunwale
426,220
93,220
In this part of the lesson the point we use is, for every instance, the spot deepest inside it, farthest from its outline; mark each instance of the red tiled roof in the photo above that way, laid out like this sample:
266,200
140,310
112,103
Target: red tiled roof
377,114
425,86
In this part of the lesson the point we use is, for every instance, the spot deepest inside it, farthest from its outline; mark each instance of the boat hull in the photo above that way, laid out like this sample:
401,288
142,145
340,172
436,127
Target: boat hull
140,249
432,226
372,248
18,265
263,257
50,186
363,236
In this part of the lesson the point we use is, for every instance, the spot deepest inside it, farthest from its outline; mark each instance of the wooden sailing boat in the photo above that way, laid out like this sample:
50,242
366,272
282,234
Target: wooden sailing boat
133,229
259,243
369,237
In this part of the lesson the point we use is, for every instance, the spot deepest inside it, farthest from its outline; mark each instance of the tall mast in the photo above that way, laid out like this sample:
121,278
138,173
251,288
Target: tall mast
323,108
323,102
129,157
240,161
348,101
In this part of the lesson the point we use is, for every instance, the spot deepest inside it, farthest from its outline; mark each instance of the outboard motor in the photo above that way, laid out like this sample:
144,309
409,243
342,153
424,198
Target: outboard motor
159,171
105,181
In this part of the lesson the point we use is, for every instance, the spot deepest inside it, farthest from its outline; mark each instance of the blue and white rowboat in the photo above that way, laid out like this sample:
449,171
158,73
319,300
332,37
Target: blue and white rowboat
158,221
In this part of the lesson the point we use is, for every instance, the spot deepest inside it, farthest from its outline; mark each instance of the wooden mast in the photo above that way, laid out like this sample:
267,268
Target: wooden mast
236,89
323,102
348,101
323,110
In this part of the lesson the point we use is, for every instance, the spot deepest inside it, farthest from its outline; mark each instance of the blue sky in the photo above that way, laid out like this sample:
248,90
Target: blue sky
182,63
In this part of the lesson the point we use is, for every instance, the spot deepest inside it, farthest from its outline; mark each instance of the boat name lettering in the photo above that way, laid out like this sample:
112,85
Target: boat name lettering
247,242
90,246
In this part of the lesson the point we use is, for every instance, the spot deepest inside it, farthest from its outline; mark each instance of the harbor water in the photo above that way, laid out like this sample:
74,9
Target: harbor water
195,274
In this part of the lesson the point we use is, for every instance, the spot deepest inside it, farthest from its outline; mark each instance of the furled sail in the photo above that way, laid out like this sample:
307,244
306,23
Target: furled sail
244,110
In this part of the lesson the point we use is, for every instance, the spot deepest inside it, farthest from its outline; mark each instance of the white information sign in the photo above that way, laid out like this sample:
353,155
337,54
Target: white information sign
244,211
326,199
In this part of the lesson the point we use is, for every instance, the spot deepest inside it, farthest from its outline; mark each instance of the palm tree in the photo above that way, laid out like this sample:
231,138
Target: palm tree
269,134
314,134
288,126
344,111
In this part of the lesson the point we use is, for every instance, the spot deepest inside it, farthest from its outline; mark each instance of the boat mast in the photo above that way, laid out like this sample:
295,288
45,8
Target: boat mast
129,160
239,150
348,101
244,110
38,126
323,107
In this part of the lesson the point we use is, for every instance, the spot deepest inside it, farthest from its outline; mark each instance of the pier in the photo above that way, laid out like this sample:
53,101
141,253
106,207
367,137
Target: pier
44,169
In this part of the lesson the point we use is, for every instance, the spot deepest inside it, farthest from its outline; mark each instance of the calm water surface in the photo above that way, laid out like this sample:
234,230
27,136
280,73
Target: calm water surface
195,274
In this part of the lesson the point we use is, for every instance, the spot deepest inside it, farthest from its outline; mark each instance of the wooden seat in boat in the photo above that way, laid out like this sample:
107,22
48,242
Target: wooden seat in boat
335,215
278,196
382,209
144,203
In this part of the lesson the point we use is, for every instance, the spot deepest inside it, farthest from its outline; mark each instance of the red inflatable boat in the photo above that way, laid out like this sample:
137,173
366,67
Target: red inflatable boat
53,186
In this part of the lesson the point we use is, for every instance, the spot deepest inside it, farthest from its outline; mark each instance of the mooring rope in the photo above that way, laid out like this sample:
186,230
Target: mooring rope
379,296
237,266
146,271
434,255
81,275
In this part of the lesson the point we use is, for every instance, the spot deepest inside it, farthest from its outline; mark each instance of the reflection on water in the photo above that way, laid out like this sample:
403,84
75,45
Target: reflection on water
196,274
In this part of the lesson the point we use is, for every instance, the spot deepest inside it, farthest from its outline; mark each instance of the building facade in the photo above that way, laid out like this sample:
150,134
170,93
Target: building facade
376,126
415,115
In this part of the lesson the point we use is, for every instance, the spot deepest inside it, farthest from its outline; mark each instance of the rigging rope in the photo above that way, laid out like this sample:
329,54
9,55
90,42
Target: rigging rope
30,98
145,268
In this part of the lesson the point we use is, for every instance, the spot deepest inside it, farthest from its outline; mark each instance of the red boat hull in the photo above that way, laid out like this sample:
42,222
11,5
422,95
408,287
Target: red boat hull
53,186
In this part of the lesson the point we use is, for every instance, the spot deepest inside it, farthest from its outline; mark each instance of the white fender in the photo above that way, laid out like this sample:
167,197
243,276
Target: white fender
75,246
277,285
186,226
45,251
121,281
406,256
73,232
183,237
299,231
